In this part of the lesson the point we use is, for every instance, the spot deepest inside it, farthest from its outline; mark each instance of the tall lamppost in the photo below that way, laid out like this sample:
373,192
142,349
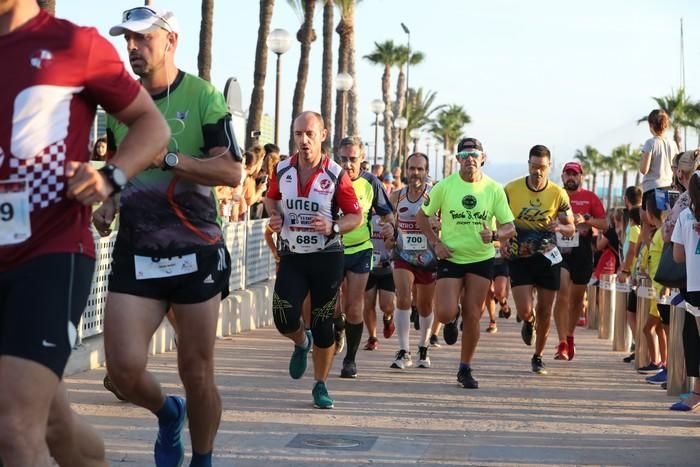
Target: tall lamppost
279,41
401,123
343,83
415,136
408,68
377,106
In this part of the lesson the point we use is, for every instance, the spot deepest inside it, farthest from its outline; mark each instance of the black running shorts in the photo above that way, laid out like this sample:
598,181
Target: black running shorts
632,301
448,269
535,270
381,282
41,302
500,268
579,263
359,262
210,278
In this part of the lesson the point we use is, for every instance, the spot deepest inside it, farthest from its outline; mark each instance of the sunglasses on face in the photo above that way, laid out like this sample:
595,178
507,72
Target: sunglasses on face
141,13
463,155
352,160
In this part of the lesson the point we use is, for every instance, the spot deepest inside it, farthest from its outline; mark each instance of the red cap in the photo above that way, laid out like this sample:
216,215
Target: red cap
573,167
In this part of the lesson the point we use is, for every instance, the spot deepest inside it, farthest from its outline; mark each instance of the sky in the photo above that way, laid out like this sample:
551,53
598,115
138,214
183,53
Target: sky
560,73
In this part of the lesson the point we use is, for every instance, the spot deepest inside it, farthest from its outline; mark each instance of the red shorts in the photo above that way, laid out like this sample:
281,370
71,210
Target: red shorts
420,276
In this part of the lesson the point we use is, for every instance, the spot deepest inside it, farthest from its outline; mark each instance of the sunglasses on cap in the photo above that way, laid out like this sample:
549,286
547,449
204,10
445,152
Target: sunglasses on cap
473,153
141,13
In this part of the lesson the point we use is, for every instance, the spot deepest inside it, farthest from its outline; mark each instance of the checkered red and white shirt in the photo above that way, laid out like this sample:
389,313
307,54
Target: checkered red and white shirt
54,75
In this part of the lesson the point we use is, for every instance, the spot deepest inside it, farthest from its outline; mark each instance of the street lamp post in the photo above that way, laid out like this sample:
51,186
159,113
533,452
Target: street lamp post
401,123
279,41
377,106
408,68
343,83
415,136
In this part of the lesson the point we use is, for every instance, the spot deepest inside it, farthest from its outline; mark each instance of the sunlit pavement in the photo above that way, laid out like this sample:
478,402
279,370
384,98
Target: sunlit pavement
592,410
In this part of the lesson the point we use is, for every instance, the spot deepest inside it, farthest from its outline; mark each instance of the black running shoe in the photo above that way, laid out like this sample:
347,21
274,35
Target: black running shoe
415,319
629,358
527,332
109,385
464,377
538,365
434,342
450,332
349,370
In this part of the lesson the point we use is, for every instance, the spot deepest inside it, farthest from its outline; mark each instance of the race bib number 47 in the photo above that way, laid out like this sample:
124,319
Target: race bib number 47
567,242
14,213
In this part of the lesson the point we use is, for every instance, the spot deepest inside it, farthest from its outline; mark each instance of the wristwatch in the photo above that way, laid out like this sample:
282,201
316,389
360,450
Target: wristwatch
115,176
336,228
170,161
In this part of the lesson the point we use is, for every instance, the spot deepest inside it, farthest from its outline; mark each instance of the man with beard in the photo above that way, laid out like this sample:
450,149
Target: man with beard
541,209
169,250
577,254
469,201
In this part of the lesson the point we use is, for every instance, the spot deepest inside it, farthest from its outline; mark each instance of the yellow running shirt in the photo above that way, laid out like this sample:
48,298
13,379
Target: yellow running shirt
464,208
533,211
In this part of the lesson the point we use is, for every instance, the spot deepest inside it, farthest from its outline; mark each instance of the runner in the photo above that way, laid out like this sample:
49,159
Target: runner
541,209
358,245
577,254
303,200
55,75
414,264
469,201
169,250
380,285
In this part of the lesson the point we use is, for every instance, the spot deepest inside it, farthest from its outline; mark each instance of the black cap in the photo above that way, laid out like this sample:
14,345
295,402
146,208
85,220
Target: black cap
469,143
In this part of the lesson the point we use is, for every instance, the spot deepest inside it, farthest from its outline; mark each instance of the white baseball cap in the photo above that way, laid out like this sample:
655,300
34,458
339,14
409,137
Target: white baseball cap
144,19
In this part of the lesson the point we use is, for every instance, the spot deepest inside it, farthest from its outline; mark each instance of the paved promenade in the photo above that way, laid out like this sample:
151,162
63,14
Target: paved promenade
594,410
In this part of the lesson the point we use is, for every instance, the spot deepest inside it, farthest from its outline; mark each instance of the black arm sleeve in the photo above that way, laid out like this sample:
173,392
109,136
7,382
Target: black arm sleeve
221,134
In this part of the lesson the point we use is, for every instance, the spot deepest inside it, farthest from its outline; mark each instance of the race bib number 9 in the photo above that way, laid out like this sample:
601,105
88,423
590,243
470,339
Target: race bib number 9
567,242
306,241
414,241
15,226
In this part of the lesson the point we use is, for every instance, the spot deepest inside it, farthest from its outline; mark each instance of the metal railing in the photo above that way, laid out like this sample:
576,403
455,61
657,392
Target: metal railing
251,263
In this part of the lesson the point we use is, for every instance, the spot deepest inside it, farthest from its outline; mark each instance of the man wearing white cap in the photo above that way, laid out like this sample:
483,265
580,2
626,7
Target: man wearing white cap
169,250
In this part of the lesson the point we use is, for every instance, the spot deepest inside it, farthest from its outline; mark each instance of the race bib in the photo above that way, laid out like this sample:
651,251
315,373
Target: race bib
553,255
376,259
622,287
414,241
147,267
605,285
14,213
646,292
306,241
498,253
567,242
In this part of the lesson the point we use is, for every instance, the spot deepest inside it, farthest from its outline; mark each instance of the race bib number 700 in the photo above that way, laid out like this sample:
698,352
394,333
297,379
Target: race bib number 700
414,241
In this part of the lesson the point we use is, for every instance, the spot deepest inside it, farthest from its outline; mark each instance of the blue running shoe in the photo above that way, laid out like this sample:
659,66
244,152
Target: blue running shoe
658,378
297,364
169,450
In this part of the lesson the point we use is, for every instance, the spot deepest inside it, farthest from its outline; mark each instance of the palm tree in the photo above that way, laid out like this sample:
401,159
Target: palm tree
346,63
675,107
205,32
402,59
306,35
420,110
591,160
692,118
448,128
258,95
385,54
48,5
636,156
327,69
619,160
627,160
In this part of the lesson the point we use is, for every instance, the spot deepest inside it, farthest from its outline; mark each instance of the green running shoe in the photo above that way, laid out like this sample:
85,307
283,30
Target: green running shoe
321,398
297,364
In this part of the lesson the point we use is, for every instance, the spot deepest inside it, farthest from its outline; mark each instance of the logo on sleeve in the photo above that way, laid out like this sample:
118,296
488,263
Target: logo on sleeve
40,58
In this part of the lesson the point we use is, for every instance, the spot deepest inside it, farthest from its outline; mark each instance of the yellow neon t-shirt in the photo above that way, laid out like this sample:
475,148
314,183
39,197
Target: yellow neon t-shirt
464,208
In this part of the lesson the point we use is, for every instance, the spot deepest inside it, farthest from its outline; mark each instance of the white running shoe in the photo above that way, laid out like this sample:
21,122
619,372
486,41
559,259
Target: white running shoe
423,359
402,360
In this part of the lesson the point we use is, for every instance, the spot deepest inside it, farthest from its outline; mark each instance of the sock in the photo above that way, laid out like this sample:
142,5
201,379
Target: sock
353,334
168,412
306,342
425,325
200,460
403,323
465,366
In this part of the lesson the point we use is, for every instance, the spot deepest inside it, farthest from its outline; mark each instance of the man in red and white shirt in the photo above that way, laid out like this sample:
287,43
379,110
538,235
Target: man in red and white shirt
577,254
55,74
304,198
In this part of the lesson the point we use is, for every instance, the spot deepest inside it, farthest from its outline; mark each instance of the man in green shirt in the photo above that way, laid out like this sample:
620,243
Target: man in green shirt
169,250
468,201
358,245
